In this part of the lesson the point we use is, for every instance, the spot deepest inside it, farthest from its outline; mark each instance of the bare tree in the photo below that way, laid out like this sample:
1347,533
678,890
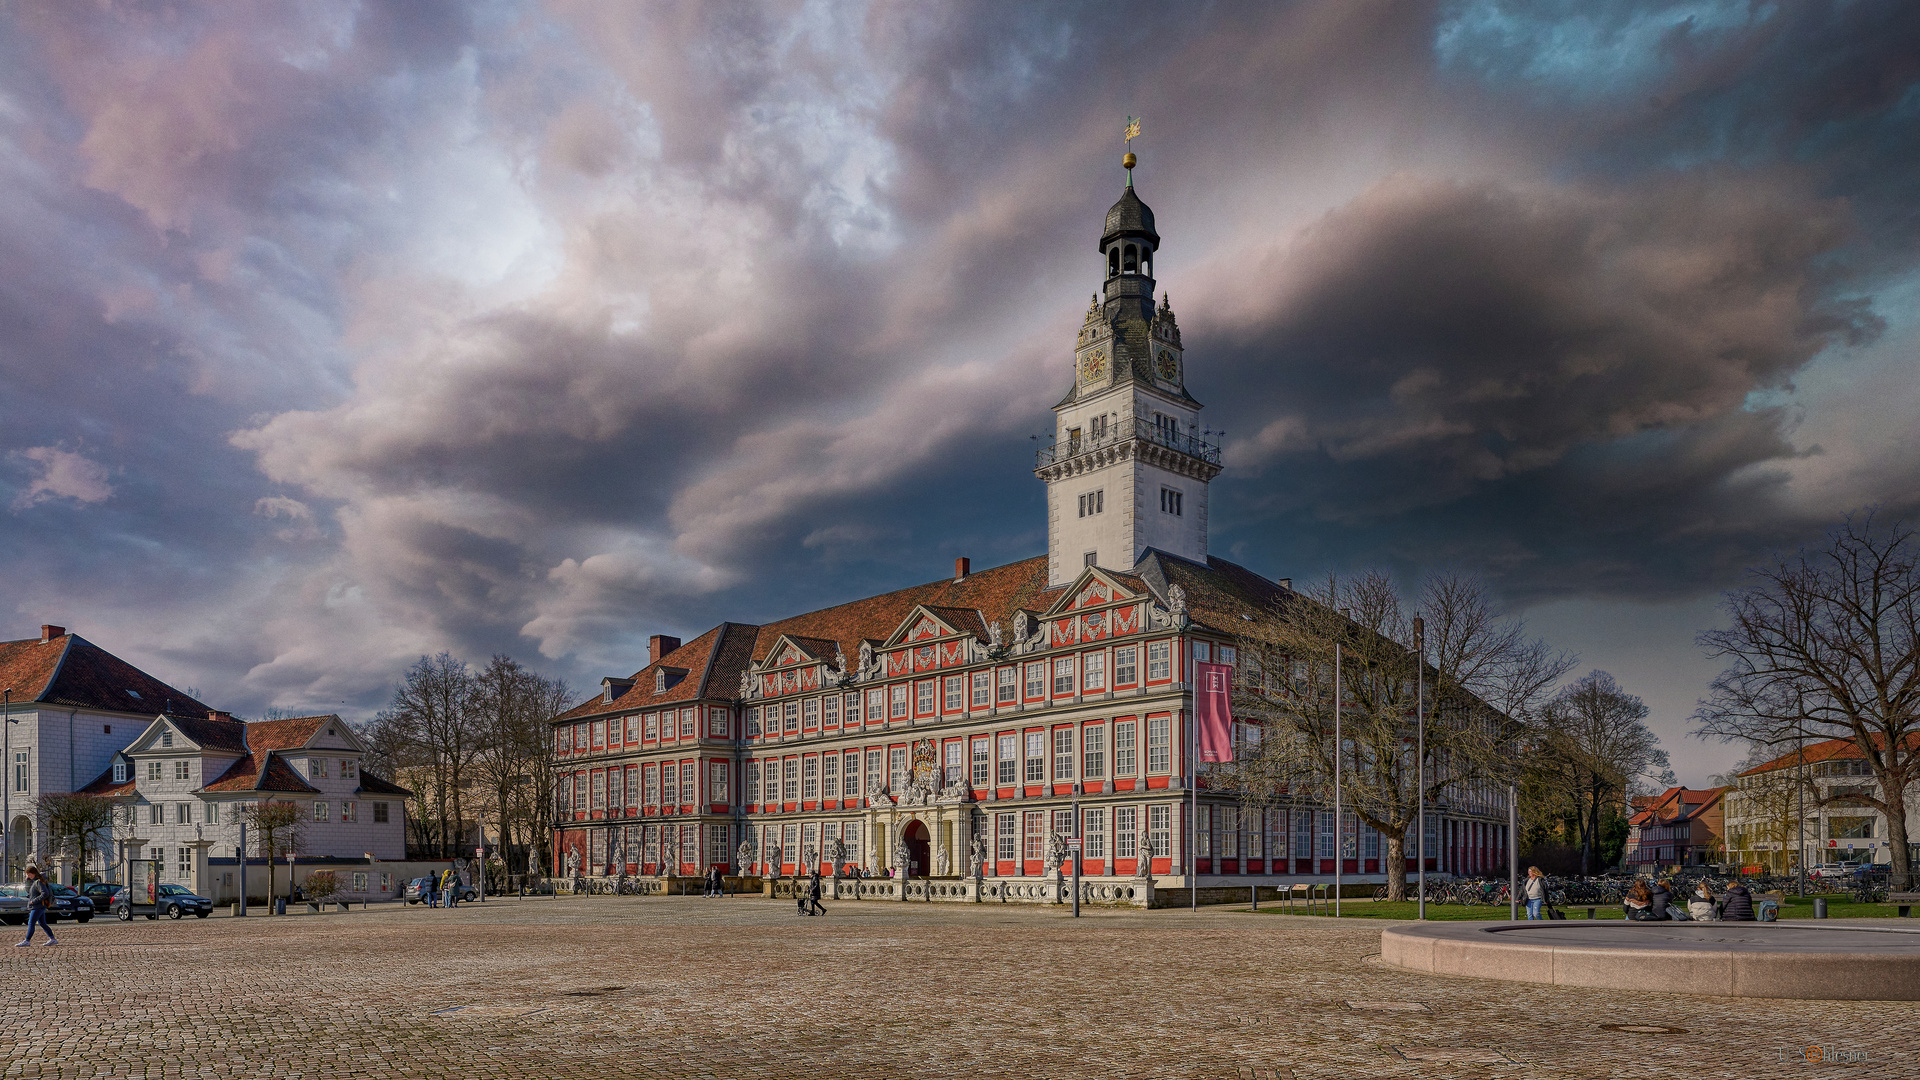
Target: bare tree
514,706
1825,644
432,722
278,827
75,823
1592,744
1286,684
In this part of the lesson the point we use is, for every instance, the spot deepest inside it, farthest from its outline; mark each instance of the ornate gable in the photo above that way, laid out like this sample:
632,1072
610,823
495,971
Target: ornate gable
1096,588
923,625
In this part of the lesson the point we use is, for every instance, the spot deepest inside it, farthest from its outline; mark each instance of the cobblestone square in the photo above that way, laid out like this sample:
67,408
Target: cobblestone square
687,987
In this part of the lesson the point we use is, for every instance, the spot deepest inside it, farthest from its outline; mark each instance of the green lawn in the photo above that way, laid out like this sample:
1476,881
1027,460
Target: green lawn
1796,908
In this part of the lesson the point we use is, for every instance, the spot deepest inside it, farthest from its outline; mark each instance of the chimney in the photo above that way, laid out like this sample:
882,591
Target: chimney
48,631
660,645
961,567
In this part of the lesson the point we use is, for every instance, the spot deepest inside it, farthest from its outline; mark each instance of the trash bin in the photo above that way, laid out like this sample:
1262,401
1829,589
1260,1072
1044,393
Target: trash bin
279,905
1819,907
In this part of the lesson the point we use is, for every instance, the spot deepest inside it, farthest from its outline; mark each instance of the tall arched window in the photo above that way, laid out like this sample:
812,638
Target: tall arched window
1113,261
1130,262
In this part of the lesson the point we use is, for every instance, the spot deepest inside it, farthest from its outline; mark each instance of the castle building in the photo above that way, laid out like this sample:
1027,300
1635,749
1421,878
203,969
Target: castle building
952,731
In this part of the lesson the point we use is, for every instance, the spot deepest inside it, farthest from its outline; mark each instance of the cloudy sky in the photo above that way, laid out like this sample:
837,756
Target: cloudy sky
332,334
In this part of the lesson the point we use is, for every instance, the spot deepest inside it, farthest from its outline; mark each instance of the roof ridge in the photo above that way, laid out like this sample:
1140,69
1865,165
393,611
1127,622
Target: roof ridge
59,665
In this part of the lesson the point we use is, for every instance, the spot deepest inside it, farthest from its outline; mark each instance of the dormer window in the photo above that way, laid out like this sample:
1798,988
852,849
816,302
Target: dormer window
660,682
119,772
134,694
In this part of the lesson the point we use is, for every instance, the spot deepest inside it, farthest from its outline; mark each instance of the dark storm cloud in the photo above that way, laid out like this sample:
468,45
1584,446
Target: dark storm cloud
356,333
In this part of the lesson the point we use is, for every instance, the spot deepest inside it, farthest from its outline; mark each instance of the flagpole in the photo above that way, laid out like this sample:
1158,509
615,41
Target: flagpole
1339,818
1193,785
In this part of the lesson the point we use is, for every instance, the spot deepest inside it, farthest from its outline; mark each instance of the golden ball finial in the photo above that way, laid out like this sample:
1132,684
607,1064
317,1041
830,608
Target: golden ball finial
1129,161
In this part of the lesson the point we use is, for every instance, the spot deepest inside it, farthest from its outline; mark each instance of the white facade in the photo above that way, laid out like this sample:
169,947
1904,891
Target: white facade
172,806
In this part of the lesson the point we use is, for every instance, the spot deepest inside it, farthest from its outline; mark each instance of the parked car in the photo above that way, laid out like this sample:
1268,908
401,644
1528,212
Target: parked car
1871,872
70,903
1831,870
173,901
417,890
13,904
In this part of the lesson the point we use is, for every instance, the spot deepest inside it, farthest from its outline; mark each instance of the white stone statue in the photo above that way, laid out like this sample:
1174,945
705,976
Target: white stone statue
743,857
746,684
1056,851
573,863
866,659
1022,626
900,858
944,863
996,635
977,857
1177,603
809,858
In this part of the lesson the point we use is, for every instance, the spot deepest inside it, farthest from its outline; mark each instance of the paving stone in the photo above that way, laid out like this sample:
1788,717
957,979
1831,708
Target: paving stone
691,987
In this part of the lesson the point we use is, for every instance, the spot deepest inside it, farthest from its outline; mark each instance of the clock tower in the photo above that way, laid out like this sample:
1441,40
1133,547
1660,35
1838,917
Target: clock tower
1128,469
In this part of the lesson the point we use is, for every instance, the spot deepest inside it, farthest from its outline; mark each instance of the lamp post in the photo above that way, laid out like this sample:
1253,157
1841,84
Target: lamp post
1513,851
6,789
1420,754
1339,815
1077,843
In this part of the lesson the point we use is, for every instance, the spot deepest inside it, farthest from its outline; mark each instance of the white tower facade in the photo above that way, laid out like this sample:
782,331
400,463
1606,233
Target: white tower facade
1128,469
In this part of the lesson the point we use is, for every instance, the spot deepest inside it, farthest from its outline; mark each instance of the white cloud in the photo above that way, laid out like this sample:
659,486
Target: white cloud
63,475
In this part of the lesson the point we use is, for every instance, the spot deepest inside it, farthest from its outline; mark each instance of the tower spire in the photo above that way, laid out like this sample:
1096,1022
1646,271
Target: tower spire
1128,469
1127,160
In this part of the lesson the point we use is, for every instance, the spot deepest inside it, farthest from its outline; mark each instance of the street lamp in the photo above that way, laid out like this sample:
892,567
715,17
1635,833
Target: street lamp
6,789
1420,752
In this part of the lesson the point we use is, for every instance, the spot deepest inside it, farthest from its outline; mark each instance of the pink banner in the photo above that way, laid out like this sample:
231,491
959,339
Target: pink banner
1213,710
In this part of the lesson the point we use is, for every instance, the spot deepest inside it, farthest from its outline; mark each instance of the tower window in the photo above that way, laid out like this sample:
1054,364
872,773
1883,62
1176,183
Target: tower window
1093,502
1166,427
1092,556
1130,262
1113,262
1170,502
1097,426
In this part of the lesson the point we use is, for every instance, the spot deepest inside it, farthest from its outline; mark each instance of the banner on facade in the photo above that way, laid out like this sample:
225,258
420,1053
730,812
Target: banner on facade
1213,710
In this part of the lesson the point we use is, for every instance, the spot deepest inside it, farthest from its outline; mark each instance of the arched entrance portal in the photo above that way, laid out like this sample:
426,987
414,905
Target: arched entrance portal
918,848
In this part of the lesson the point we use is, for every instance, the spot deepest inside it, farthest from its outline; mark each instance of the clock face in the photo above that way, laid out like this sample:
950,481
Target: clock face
1169,367
1093,365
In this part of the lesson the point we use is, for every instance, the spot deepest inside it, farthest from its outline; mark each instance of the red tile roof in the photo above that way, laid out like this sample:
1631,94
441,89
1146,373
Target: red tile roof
970,602
288,734
104,786
1218,594
72,671
1675,804
1826,750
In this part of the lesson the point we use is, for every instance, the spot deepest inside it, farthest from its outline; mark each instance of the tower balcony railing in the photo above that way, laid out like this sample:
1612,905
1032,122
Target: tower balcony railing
1124,431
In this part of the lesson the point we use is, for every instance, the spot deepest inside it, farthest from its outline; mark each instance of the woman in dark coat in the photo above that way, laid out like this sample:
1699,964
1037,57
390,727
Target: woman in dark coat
1657,898
1738,905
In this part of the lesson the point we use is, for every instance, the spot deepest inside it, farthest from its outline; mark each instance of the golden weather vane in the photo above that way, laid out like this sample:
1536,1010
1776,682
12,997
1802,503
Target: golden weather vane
1127,162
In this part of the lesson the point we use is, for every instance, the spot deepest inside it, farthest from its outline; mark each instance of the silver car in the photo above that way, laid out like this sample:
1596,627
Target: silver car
13,904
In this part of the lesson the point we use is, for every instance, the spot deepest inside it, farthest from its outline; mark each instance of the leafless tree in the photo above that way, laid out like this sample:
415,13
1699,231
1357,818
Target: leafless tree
1825,644
432,725
513,707
1592,742
75,823
1482,672
278,828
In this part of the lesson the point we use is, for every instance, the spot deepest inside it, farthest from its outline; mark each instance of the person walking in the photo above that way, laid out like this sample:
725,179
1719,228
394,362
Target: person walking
451,886
813,894
1535,892
39,900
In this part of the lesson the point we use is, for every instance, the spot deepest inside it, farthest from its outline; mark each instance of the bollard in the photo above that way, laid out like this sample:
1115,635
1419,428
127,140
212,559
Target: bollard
1819,907
1591,915
1254,891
